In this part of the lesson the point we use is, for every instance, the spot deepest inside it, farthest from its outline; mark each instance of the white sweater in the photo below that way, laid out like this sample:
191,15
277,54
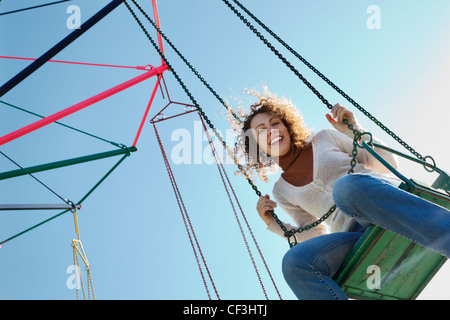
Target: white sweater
331,160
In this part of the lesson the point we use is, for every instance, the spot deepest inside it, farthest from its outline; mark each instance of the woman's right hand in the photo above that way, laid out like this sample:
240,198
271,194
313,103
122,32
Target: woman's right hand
263,207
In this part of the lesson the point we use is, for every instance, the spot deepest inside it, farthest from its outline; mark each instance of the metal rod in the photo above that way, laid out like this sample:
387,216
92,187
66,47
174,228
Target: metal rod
65,211
408,182
59,47
155,120
430,165
80,63
81,105
156,15
64,163
433,193
39,206
155,89
34,7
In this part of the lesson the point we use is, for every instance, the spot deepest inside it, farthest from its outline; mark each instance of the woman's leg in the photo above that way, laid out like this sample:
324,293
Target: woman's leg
369,199
309,266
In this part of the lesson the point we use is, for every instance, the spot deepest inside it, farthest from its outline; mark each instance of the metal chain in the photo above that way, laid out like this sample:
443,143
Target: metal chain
186,90
291,233
188,64
202,113
76,267
187,222
279,55
287,233
90,284
317,72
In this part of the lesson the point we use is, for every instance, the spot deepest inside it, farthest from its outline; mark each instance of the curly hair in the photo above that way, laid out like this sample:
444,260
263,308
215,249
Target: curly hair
247,148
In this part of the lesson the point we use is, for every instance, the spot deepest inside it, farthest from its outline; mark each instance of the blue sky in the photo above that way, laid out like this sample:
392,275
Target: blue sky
130,226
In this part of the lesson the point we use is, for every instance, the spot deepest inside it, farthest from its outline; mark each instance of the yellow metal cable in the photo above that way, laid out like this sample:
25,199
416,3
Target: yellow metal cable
78,250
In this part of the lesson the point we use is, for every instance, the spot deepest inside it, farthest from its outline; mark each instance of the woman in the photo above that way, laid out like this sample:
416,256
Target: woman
315,177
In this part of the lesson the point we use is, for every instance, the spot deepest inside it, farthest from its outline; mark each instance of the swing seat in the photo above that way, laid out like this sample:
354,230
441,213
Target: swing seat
386,266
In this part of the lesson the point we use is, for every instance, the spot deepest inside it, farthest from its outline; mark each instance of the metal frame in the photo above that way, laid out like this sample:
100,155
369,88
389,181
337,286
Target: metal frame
123,150
59,47
39,206
404,274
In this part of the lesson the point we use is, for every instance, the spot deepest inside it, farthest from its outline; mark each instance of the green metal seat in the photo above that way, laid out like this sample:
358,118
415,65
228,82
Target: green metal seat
403,267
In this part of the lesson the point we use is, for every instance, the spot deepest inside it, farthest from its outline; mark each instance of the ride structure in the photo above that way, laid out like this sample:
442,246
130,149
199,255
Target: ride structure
121,150
403,263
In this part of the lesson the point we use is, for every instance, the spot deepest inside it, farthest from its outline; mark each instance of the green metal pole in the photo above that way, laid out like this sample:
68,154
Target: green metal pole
408,182
65,211
430,165
65,163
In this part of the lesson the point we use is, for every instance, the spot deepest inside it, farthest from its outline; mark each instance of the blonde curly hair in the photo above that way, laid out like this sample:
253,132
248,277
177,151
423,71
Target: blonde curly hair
259,161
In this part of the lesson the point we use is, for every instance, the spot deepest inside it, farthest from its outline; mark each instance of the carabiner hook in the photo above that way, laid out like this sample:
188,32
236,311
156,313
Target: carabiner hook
292,244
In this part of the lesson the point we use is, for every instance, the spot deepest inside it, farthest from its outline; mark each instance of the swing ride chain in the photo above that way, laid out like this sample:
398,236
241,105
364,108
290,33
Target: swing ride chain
200,110
287,233
186,90
278,54
317,72
177,77
188,64
357,137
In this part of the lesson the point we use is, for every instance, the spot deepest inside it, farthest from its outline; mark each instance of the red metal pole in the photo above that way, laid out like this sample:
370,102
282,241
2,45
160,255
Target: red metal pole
156,14
81,105
160,43
155,89
80,63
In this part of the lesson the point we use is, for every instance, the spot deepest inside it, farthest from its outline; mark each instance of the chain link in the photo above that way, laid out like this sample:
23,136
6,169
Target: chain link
287,233
188,64
186,90
278,54
317,72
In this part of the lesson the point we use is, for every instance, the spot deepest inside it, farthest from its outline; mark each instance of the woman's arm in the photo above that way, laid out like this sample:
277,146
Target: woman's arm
339,114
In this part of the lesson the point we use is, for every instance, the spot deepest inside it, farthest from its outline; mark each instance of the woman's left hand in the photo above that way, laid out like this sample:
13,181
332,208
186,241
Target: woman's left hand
339,113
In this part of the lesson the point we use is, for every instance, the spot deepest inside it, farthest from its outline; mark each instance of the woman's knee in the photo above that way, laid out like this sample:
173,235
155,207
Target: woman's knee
348,188
343,189
295,262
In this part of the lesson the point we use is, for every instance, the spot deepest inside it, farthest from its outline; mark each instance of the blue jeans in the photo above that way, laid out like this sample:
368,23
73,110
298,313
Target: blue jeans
309,266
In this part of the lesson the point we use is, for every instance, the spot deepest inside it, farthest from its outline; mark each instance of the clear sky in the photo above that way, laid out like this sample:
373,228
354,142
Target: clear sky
131,227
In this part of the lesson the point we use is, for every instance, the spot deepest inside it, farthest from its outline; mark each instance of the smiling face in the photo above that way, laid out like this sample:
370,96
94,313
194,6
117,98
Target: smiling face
271,134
